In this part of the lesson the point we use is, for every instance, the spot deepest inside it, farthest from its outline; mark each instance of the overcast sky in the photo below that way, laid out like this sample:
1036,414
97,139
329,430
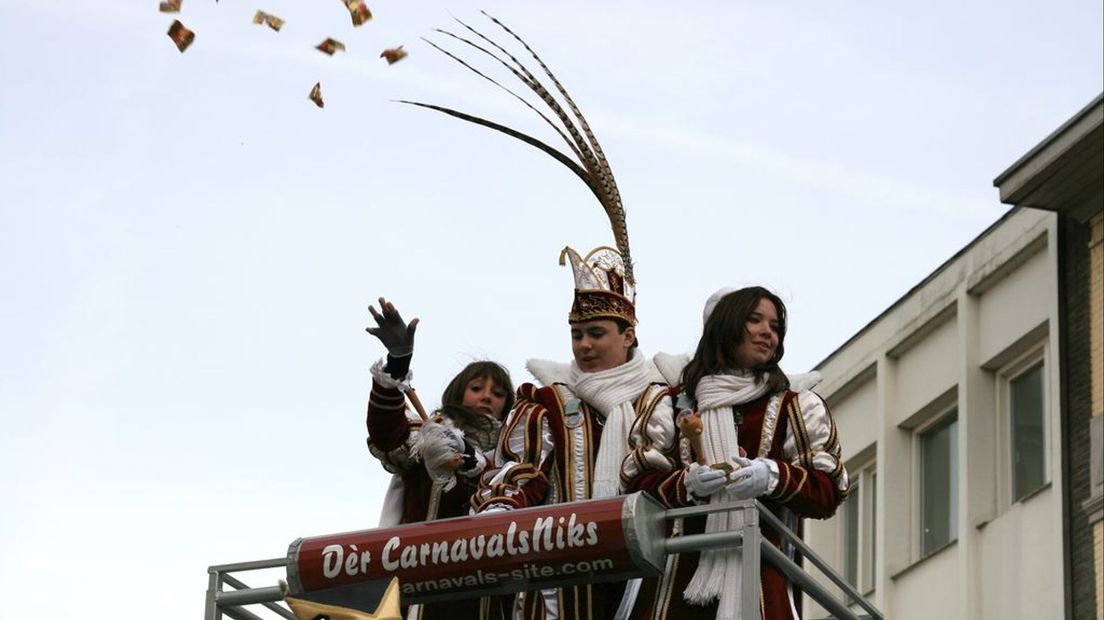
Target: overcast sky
188,246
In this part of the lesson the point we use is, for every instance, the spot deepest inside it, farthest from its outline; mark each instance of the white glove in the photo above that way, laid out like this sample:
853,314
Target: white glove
440,446
703,481
751,480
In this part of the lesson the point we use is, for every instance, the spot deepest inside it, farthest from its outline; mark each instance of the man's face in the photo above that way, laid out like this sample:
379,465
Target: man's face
598,345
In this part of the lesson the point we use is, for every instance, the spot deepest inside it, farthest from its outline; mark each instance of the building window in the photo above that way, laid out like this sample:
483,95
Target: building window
938,447
852,515
1026,407
859,541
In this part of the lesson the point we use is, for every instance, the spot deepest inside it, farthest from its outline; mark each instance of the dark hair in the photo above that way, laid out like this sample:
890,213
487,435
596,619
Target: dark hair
453,396
622,325
725,330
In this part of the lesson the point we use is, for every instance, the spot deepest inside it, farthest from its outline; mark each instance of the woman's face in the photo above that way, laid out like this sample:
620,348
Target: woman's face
598,345
482,395
760,336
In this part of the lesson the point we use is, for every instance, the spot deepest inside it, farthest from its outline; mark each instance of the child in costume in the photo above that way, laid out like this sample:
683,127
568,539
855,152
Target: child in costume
436,462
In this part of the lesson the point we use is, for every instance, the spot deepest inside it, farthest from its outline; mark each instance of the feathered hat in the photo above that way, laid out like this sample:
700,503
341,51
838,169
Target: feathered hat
604,283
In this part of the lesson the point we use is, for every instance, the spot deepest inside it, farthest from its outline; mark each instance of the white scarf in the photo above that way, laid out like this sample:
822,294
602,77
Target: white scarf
718,574
612,393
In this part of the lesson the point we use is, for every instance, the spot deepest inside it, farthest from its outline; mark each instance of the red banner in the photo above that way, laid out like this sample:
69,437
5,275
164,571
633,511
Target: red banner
483,554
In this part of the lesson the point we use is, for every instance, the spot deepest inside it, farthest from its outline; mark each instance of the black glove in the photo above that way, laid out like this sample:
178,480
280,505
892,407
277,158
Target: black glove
391,330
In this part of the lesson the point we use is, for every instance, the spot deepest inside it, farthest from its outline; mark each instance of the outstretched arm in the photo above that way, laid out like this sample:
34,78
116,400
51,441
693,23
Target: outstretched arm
389,429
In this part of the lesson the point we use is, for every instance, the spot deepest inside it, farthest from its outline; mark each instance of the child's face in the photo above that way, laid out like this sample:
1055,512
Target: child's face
482,395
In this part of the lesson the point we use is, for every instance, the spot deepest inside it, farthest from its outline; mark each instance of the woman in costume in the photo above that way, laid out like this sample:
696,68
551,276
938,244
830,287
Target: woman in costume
780,443
436,462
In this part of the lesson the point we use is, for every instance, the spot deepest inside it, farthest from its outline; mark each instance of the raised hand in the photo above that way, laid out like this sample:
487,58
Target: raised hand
391,330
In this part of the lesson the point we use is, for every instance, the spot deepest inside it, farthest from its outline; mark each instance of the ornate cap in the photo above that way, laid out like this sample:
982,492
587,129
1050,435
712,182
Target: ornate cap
601,288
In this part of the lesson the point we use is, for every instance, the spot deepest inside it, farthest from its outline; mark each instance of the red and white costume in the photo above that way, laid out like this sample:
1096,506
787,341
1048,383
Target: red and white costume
414,495
796,435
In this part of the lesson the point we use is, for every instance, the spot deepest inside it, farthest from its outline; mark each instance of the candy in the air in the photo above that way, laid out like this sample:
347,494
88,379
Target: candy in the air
275,23
180,35
329,46
393,54
358,11
316,95
170,6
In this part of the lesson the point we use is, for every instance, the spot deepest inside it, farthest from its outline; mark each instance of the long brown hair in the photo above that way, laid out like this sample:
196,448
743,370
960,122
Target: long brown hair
453,396
725,330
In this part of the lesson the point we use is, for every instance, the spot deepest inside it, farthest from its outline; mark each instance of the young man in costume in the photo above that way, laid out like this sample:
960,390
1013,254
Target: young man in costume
567,441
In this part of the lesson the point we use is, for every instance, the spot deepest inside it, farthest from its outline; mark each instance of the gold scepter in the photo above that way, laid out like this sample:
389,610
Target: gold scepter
417,403
690,424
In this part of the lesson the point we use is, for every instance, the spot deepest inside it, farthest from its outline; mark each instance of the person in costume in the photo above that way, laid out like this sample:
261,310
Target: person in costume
567,441
781,444
435,462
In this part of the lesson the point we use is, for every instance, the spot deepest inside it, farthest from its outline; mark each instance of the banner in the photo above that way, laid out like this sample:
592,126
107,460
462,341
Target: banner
501,552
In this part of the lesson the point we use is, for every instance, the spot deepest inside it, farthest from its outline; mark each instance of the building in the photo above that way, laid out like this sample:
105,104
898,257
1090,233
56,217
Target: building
970,412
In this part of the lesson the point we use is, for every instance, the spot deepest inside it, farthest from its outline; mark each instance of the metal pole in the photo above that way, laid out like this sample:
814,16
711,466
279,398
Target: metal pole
237,613
254,565
805,582
748,518
698,542
249,596
214,584
818,562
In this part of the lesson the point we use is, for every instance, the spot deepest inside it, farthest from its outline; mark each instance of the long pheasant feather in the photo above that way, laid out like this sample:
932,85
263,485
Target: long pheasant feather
581,147
543,116
592,166
613,205
557,155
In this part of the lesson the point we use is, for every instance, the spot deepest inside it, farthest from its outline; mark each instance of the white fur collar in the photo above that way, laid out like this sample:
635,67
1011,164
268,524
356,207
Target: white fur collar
547,372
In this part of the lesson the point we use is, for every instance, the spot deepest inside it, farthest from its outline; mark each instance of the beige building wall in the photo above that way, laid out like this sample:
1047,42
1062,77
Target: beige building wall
951,344
1096,338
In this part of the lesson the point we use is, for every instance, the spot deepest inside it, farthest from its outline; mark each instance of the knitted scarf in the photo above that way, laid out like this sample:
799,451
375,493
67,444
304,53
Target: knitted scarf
718,573
612,392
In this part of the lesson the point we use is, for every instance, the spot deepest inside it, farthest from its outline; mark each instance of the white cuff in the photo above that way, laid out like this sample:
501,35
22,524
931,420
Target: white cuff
772,480
387,381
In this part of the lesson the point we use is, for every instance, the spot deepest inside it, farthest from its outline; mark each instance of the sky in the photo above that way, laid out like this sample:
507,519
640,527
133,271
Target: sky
188,246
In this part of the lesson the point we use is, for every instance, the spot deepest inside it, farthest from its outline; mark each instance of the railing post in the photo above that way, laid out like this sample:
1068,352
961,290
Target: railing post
214,585
749,552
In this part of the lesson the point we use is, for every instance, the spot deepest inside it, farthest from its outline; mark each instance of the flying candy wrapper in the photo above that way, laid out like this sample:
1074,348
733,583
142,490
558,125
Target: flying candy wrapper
275,23
316,95
329,46
180,35
170,6
358,11
393,54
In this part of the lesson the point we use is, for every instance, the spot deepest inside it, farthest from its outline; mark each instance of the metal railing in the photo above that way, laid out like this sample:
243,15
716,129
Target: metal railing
229,602
748,535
